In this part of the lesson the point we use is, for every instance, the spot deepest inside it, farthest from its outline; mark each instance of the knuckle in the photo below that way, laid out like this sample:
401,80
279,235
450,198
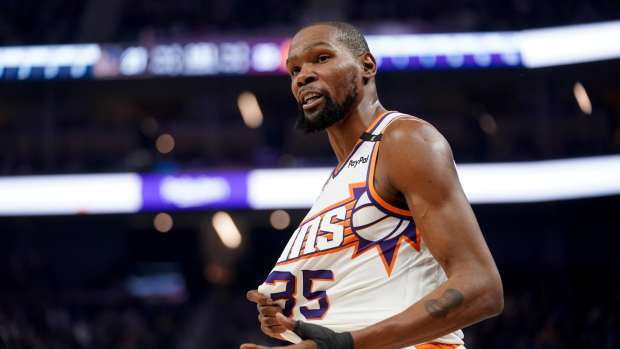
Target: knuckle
266,330
277,329
271,310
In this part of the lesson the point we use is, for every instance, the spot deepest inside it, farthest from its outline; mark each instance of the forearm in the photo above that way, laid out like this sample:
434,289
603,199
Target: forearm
455,304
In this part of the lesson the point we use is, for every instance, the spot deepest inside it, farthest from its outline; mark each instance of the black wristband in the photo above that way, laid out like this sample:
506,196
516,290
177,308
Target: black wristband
323,336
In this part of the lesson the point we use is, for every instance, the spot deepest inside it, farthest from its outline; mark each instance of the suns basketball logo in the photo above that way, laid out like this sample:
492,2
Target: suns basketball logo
358,222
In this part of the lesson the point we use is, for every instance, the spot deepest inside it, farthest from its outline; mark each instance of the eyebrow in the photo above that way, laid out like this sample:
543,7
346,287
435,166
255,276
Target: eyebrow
318,43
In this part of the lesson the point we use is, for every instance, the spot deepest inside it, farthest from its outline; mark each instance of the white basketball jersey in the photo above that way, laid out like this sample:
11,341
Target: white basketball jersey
355,259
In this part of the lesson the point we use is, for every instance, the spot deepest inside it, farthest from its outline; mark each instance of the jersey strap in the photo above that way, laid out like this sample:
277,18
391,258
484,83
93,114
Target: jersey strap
369,137
370,179
379,119
386,119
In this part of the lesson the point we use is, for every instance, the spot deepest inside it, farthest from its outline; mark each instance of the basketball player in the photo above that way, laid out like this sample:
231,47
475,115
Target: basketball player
391,254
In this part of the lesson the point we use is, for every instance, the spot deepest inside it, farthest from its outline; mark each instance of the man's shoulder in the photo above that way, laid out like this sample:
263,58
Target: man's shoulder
415,155
410,133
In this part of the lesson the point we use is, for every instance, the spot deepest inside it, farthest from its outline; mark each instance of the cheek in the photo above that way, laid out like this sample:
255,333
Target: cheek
343,82
294,90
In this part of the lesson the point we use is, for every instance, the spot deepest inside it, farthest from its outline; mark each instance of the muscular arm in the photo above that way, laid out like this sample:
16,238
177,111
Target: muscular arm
416,161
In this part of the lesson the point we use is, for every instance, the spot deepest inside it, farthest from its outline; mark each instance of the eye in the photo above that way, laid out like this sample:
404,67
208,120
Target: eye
323,58
294,71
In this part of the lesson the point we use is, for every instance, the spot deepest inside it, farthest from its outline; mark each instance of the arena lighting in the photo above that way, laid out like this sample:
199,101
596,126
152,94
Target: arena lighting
452,46
288,188
541,180
163,222
483,183
226,229
164,143
582,98
133,61
570,44
69,194
280,219
250,110
240,56
49,57
285,188
488,124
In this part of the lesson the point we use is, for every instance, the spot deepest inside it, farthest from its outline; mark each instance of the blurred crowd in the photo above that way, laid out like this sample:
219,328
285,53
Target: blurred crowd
544,311
92,320
65,280
115,126
536,316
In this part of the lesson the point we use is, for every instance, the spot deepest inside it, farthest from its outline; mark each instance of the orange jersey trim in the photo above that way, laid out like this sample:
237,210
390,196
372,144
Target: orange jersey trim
372,125
437,346
373,191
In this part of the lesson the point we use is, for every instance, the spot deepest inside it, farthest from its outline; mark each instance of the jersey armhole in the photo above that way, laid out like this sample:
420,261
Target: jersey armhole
374,195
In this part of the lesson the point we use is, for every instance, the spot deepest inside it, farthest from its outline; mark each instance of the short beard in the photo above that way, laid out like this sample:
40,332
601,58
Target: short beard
331,113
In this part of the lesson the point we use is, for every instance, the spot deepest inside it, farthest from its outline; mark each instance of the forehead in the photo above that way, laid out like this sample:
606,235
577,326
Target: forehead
313,36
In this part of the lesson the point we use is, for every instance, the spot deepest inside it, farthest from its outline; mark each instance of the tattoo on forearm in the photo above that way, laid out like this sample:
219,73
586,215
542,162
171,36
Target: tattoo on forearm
449,300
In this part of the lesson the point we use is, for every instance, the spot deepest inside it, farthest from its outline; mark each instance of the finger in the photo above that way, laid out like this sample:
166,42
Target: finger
287,323
276,330
269,310
258,298
268,320
266,330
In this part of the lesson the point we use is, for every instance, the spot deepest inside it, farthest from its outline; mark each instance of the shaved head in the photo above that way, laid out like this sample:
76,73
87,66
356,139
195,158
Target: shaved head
347,34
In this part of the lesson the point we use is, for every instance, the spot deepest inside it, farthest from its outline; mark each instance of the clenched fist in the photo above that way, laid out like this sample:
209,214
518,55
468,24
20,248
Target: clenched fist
273,323
267,310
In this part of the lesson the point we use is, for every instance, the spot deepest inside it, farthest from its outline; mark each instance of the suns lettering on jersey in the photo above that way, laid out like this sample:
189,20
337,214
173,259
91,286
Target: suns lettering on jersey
331,231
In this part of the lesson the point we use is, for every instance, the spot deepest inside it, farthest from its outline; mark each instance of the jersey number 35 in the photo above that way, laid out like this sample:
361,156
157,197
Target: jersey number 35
290,292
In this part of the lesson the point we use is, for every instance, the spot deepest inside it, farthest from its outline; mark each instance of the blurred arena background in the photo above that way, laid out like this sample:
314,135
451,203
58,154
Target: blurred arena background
147,150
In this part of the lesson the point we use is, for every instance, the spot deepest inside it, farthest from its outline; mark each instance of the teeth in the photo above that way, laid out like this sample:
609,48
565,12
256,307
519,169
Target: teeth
310,96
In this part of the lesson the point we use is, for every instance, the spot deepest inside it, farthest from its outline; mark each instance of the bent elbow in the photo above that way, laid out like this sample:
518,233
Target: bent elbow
496,306
494,298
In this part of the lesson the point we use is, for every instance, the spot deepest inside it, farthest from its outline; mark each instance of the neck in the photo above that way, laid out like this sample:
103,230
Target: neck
344,134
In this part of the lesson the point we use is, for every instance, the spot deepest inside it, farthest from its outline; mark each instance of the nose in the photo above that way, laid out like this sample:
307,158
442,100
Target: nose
305,76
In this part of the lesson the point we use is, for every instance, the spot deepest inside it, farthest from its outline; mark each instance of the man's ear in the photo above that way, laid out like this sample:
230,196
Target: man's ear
369,65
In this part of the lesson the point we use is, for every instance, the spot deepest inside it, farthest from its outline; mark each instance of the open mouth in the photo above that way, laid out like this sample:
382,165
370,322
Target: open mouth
311,100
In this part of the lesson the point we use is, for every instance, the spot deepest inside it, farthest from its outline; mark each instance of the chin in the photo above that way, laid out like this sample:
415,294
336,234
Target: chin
322,116
313,115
